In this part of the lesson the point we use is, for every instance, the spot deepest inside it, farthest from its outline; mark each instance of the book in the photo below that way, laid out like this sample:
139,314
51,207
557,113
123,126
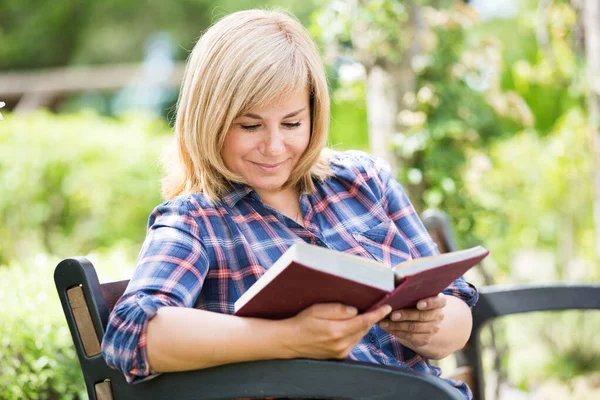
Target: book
306,274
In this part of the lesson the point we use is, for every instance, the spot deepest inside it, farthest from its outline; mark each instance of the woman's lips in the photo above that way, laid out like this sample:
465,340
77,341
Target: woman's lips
268,167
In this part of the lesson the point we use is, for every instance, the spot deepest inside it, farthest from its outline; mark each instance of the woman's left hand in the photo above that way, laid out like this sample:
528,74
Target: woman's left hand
416,327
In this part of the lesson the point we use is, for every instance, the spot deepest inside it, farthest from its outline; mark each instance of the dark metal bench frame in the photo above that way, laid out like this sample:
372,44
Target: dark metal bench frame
502,300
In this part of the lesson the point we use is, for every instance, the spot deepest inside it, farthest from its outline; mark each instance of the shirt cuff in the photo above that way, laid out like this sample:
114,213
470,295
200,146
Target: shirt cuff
464,291
124,346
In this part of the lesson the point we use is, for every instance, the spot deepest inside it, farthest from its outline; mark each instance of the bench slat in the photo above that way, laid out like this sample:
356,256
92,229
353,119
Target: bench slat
83,320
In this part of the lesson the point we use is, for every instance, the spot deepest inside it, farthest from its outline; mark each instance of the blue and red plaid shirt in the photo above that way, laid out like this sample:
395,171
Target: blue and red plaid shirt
207,255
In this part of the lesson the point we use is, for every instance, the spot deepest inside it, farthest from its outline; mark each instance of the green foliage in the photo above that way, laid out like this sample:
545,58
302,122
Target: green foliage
544,200
475,91
47,34
569,349
573,362
39,34
73,183
532,203
372,31
37,357
349,128
376,20
553,81
457,105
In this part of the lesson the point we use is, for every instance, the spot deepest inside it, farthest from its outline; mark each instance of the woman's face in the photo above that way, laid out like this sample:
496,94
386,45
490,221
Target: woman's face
264,145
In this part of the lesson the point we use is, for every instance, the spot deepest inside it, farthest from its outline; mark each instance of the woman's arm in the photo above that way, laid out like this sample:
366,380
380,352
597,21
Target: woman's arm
181,339
154,329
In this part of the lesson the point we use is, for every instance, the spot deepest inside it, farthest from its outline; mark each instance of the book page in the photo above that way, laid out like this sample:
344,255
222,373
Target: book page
416,265
348,266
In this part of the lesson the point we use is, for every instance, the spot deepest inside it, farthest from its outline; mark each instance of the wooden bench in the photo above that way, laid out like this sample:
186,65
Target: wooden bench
87,305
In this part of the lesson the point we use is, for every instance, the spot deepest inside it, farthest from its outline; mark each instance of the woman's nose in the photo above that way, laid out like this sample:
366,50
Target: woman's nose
273,142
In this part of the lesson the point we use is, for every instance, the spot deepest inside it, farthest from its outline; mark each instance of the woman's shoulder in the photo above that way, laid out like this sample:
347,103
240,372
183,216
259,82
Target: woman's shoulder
184,204
350,164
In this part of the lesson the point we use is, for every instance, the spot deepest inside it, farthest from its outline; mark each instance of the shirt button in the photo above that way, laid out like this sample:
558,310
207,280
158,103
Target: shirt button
372,339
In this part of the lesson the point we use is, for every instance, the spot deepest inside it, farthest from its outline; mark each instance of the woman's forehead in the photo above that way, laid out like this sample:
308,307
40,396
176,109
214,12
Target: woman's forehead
283,104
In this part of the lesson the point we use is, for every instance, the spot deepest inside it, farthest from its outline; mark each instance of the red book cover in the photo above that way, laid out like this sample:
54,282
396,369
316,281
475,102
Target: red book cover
307,275
427,283
299,287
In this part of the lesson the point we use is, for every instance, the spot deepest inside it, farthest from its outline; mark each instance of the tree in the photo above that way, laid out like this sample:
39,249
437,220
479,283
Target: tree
592,52
430,94
382,35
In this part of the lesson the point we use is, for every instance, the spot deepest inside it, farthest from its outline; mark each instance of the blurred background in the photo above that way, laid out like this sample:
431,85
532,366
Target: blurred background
488,110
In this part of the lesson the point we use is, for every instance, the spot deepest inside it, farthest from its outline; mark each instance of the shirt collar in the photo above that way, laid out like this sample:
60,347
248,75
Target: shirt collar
236,192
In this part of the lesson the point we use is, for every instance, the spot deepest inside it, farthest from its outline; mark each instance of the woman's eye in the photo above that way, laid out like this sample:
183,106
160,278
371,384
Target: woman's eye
249,127
292,125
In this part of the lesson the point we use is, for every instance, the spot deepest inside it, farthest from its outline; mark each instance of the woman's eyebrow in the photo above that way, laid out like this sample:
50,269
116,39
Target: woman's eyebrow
293,114
290,115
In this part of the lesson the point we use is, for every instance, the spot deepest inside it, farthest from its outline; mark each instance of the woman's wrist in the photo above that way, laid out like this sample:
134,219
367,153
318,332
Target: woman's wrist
280,343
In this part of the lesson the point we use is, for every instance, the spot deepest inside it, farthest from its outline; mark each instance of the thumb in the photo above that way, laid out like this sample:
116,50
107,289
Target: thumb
331,311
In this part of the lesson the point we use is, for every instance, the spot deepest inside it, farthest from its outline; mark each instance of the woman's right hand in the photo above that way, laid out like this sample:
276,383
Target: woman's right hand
328,330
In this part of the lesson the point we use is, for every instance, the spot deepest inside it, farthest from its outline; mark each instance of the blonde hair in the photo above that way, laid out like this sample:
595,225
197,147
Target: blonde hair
244,61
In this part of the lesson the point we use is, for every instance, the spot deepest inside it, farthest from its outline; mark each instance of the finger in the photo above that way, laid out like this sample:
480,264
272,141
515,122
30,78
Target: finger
431,303
365,321
416,315
377,315
410,327
331,311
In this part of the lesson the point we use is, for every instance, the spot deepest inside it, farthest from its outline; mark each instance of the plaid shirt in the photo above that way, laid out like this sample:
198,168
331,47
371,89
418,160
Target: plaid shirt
207,255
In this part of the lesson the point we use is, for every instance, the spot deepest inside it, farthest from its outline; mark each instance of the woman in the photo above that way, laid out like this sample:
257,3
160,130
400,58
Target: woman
251,176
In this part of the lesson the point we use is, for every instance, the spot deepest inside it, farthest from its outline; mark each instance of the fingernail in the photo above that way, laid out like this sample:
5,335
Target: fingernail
350,310
422,305
388,309
396,316
384,325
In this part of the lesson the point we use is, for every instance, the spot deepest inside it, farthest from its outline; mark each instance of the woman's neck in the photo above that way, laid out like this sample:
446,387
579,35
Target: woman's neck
275,198
286,201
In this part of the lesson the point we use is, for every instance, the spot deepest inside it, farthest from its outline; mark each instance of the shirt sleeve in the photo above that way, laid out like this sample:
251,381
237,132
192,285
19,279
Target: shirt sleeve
170,272
401,211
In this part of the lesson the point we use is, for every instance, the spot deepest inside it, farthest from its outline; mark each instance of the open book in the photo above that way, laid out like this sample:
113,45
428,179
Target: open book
305,275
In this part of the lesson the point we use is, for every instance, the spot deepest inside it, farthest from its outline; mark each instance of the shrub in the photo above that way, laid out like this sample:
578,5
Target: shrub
74,183
37,357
